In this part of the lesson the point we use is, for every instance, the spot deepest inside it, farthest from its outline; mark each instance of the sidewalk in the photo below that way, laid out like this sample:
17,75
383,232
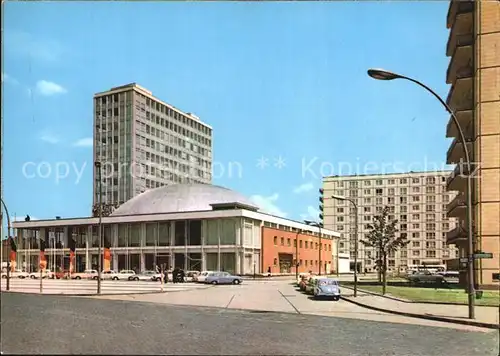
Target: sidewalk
453,313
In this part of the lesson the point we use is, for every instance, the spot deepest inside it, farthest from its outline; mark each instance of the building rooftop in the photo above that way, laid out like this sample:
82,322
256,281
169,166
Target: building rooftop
177,198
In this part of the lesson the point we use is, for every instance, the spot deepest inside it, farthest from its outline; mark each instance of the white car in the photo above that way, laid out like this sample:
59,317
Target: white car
200,278
146,276
47,273
16,274
125,274
110,275
87,274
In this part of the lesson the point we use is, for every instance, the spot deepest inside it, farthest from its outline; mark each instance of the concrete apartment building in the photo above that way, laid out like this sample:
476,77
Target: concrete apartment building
143,143
474,74
418,200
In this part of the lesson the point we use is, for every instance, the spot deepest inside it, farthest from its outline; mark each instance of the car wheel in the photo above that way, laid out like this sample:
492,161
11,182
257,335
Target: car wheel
78,277
336,299
135,278
115,278
236,281
4,277
214,282
32,276
94,278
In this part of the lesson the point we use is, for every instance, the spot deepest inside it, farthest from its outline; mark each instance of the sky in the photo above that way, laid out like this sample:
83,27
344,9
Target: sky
283,85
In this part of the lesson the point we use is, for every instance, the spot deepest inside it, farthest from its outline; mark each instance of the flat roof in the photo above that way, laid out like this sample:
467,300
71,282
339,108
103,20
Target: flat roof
388,175
195,215
148,93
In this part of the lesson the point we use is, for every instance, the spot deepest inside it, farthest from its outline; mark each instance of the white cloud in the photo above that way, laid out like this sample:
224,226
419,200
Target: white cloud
84,142
47,88
49,138
7,79
268,204
312,214
306,187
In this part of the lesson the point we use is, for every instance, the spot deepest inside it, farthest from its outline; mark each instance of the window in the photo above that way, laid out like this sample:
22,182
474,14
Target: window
430,190
367,191
430,180
415,180
378,191
300,243
340,210
403,200
391,181
295,243
430,244
353,184
430,253
340,218
415,216
402,217
367,200
307,244
431,199
288,242
429,208
415,253
367,218
403,191
366,209
430,235
415,189
391,191
340,184
378,182
403,227
430,226
415,198
415,207
403,181
415,235
282,241
379,201
368,183
403,209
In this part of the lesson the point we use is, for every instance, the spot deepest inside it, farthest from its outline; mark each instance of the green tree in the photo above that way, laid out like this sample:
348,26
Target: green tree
382,236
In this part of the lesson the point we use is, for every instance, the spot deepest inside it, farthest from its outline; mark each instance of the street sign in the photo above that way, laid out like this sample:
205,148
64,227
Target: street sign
464,260
483,255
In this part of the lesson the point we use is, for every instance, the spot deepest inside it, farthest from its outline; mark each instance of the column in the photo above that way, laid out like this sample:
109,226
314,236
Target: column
186,231
143,262
172,240
88,244
219,224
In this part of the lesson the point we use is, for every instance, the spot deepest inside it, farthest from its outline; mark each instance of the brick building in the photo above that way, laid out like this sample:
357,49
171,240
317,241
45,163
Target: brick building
474,74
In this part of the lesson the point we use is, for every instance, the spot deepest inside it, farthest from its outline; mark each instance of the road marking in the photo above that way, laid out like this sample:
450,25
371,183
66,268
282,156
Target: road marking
289,302
230,301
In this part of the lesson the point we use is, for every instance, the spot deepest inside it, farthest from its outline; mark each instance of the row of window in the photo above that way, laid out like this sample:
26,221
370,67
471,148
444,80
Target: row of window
415,180
308,244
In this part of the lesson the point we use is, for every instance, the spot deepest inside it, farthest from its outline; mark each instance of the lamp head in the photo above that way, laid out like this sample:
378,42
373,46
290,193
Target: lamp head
381,74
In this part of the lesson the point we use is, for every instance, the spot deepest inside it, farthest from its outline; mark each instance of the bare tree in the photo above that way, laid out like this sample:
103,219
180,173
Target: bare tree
382,236
107,209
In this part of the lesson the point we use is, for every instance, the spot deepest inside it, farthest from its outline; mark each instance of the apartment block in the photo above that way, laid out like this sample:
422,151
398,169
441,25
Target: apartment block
418,200
474,75
143,142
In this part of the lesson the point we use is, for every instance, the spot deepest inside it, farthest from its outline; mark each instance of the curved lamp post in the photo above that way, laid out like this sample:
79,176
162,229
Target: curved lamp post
381,74
7,286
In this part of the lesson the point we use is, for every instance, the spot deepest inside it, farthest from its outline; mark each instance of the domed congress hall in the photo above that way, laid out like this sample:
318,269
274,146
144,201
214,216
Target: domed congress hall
192,226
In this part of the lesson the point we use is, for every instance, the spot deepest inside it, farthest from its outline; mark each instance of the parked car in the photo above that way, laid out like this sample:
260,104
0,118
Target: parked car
425,277
191,275
222,278
301,277
109,275
47,273
326,288
303,282
146,276
16,274
87,274
309,289
125,274
200,278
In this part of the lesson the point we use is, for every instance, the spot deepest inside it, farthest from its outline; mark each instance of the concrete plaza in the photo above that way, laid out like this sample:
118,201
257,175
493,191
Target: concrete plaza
276,296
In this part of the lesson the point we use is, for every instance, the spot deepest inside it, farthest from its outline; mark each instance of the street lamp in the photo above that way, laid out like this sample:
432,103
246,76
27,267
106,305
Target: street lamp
7,286
342,198
97,165
381,74
318,225
297,254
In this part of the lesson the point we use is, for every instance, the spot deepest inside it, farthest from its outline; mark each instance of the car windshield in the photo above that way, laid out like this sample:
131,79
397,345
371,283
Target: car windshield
328,282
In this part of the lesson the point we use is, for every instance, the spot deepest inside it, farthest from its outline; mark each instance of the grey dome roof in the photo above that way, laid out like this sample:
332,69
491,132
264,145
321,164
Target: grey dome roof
181,198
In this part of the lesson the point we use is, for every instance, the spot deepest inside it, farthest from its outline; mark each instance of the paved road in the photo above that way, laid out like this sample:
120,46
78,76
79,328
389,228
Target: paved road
55,286
277,296
43,324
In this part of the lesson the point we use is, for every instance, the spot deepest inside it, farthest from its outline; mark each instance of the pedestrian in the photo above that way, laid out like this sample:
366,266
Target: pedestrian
269,271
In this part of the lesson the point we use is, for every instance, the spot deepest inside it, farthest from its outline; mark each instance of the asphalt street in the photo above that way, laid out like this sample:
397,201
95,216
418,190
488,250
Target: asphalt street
44,324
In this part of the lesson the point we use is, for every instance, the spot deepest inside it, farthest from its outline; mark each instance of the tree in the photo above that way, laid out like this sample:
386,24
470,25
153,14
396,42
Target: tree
382,236
107,209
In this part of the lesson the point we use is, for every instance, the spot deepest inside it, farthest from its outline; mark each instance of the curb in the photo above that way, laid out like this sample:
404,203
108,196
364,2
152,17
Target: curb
413,301
424,316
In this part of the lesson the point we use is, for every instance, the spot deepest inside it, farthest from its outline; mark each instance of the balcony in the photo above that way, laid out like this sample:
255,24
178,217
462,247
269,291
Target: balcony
460,21
461,56
460,97
457,180
464,119
457,207
456,236
456,151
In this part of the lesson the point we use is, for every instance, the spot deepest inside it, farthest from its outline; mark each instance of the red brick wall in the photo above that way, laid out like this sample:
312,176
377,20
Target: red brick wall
271,251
